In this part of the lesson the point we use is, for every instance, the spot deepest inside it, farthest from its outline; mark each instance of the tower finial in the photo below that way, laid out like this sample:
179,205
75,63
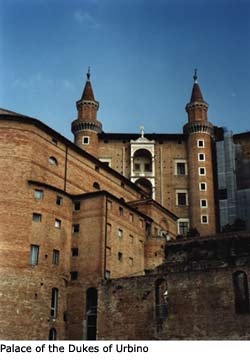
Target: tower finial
195,76
88,73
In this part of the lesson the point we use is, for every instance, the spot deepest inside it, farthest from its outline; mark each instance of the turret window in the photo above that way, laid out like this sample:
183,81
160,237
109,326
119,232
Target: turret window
201,157
85,140
204,219
202,171
203,203
200,143
203,186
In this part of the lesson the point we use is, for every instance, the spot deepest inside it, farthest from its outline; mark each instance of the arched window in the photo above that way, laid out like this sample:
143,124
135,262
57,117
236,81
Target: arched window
52,334
241,295
142,162
145,185
91,313
53,161
96,185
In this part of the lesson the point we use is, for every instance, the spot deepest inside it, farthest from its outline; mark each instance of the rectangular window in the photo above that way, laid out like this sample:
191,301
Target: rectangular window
202,171
85,140
147,167
54,302
77,206
131,217
59,200
120,233
204,219
180,168
200,143
73,275
141,223
38,194
137,167
181,198
131,238
120,211
58,223
201,157
34,254
130,261
74,252
119,256
75,228
203,203
156,232
183,226
37,217
203,186
55,257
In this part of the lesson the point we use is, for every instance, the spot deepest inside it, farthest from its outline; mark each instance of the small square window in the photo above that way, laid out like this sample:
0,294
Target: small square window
120,256
201,157
58,223
85,140
203,203
37,217
74,252
55,257
75,228
203,186
73,275
204,219
200,143
38,194
202,171
59,200
77,206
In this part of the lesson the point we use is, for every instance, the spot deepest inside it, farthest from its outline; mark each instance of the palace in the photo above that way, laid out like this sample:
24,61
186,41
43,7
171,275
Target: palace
82,224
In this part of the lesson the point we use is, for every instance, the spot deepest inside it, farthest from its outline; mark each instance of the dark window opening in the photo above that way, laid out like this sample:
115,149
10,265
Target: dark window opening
77,206
91,313
59,200
52,334
54,302
73,275
96,185
74,252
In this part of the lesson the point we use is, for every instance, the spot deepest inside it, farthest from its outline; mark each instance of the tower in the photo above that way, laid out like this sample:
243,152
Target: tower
86,127
199,134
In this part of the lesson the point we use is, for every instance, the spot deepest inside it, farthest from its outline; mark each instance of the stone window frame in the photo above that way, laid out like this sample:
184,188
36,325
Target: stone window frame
204,157
203,199
203,190
87,138
182,220
183,191
198,143
180,161
202,174
202,220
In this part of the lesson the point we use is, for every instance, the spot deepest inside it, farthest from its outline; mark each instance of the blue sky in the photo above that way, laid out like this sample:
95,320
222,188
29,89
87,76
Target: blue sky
142,56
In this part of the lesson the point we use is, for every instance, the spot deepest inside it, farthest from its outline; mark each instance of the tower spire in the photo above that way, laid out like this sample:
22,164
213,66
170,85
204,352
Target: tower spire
88,74
195,76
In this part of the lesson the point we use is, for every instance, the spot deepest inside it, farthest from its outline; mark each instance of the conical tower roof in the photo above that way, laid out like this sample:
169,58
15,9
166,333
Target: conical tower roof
196,92
88,93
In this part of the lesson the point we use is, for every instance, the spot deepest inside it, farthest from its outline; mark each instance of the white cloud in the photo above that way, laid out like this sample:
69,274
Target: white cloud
85,18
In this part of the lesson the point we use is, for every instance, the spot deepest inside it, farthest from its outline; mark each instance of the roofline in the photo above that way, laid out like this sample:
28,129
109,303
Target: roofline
158,205
33,121
75,197
134,136
243,135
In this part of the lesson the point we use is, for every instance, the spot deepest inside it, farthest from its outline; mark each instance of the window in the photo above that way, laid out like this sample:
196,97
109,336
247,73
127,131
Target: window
120,233
241,296
106,161
54,141
54,302
201,157
96,185
107,275
203,203
52,334
200,143
204,219
141,223
130,261
59,200
97,168
183,226
37,217
85,140
77,206
75,228
181,198
120,256
120,211
34,254
73,275
203,186
147,167
137,167
202,171
131,217
180,168
74,252
55,257
38,194
53,161
58,223
156,232
131,238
